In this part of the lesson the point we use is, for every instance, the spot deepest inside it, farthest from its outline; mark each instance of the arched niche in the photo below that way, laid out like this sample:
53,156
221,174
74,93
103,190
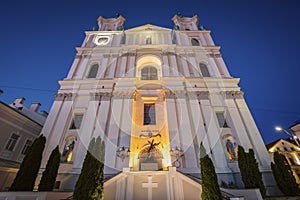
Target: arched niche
67,153
231,147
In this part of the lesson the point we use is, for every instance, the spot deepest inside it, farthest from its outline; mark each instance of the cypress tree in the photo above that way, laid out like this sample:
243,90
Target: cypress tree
284,175
49,175
210,187
29,168
89,185
251,176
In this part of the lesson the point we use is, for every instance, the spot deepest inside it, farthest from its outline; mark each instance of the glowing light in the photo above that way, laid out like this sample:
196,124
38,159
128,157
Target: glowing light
70,156
278,128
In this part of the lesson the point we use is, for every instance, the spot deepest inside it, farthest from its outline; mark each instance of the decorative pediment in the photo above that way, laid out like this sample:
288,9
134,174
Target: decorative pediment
148,27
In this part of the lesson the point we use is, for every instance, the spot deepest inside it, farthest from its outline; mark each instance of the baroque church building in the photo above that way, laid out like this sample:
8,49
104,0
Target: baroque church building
153,94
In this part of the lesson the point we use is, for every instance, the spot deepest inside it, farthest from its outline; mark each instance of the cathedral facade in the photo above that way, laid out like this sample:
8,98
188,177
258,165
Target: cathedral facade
153,94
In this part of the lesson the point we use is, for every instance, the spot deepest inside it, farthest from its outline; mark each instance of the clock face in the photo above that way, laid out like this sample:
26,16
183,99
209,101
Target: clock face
101,40
177,163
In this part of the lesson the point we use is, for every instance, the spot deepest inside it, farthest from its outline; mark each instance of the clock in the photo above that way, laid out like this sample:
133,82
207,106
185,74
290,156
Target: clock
101,40
177,164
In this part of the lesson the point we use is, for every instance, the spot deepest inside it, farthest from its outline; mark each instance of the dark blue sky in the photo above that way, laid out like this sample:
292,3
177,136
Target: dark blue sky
259,40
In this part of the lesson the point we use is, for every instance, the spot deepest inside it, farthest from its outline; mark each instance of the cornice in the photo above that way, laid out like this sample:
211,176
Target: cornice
64,96
134,47
233,94
101,96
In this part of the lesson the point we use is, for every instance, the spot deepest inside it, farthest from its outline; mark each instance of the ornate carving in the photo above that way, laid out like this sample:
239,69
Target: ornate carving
169,94
126,94
100,96
202,95
212,55
180,94
64,96
149,134
233,94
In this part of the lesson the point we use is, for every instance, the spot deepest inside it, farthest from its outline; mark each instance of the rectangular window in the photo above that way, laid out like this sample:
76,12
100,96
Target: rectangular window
12,142
148,40
149,114
76,121
26,147
222,120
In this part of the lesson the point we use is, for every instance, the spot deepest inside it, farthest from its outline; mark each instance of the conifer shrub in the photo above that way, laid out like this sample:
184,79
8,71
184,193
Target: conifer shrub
251,176
210,187
284,175
49,175
89,185
25,178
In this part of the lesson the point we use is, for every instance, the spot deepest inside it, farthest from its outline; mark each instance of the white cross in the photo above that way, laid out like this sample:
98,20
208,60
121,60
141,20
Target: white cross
150,185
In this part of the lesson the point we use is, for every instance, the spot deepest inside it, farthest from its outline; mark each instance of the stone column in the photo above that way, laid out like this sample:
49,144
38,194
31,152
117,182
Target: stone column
213,134
57,123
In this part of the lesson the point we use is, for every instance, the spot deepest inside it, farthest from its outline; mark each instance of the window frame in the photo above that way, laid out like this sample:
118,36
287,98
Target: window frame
96,65
11,142
221,118
204,70
26,147
73,125
195,42
150,75
148,40
151,114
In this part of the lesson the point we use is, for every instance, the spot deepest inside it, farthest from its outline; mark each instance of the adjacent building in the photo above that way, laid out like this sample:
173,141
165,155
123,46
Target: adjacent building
291,153
19,128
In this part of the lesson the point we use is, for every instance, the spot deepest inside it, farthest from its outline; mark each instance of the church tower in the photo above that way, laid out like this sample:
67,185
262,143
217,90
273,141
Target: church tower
153,94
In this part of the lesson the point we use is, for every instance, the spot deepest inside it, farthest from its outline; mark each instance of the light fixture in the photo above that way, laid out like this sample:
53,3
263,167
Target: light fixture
176,152
123,152
278,128
292,134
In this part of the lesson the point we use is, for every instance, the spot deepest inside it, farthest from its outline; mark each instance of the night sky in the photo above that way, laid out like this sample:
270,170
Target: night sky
259,39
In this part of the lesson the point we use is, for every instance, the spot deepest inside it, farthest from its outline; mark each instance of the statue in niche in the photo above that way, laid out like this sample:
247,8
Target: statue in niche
68,149
231,147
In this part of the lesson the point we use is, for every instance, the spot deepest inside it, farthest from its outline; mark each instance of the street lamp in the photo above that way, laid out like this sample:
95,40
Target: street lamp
278,128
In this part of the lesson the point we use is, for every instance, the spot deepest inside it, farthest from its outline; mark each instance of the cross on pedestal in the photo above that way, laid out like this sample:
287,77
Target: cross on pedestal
150,185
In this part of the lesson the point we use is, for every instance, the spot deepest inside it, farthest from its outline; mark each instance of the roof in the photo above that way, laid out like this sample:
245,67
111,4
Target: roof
14,109
270,145
273,144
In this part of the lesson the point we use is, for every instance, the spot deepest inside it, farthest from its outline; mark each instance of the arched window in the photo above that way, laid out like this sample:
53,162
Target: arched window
68,149
149,73
93,71
195,42
204,70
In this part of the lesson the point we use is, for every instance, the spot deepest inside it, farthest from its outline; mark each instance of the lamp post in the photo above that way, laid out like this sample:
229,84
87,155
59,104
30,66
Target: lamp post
295,138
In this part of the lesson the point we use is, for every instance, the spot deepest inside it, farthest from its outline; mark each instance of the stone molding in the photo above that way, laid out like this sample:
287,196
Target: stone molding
202,95
64,96
215,55
125,94
233,94
100,96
